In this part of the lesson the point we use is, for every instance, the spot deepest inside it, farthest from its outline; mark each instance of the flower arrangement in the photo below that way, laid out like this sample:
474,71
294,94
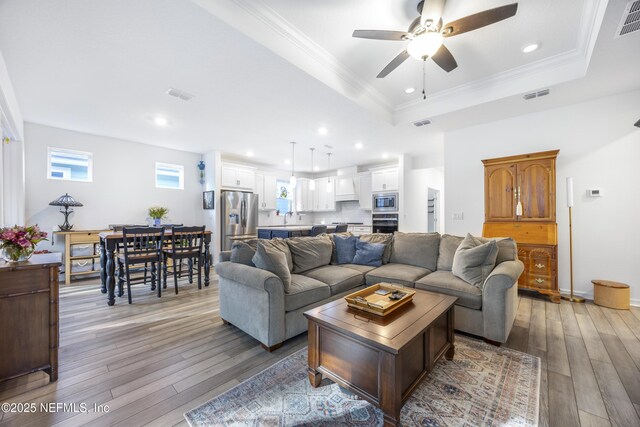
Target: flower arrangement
18,243
157,213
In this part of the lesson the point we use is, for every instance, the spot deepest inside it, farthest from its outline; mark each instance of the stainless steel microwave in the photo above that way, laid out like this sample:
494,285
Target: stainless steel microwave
385,202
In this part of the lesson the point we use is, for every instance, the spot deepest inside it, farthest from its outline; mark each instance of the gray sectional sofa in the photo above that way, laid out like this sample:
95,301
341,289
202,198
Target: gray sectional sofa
255,300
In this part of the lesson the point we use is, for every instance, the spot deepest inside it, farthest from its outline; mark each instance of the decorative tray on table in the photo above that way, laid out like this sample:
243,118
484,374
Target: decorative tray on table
380,299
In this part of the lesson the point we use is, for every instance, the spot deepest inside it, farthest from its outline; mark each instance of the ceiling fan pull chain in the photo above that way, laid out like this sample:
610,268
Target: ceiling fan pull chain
424,79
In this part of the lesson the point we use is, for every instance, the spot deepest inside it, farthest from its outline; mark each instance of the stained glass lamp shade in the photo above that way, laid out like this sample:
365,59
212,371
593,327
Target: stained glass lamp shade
66,201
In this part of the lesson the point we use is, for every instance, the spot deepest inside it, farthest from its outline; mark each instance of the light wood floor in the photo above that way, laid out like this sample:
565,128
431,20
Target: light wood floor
154,360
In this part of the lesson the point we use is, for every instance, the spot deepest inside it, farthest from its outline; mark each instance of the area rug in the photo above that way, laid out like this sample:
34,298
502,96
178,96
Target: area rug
482,386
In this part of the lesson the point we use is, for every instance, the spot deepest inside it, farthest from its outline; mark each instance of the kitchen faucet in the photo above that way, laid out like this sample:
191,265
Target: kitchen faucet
290,213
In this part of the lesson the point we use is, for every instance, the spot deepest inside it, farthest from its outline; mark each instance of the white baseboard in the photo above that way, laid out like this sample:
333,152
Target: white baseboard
589,295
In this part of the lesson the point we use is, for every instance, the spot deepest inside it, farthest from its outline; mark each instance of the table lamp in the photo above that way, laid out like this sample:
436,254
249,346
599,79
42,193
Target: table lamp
66,201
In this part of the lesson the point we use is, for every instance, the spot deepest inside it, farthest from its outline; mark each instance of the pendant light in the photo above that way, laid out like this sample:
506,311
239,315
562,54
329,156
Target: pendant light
329,189
292,180
312,182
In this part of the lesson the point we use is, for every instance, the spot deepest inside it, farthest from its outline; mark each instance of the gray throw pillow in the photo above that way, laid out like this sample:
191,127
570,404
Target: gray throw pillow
448,246
418,249
385,238
282,246
507,248
474,260
242,253
273,260
310,252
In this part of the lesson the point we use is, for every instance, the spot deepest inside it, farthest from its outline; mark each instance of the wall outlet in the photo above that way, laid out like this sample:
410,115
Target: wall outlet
458,216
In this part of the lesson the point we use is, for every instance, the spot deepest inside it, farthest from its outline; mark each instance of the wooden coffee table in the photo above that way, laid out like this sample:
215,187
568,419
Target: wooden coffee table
381,359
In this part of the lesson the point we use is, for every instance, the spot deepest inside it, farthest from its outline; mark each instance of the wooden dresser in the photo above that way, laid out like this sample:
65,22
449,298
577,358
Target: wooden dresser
520,202
29,316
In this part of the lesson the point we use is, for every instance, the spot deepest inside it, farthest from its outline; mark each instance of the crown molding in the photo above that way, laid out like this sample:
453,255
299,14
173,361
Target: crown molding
268,28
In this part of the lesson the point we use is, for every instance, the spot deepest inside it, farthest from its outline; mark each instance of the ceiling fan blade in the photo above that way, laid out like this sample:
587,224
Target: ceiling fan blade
381,35
479,20
431,10
402,56
414,25
445,59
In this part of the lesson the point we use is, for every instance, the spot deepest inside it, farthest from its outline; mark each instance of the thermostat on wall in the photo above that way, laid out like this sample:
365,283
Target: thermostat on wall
595,192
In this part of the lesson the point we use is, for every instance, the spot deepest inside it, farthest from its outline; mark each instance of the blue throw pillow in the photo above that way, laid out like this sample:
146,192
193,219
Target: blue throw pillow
369,253
345,248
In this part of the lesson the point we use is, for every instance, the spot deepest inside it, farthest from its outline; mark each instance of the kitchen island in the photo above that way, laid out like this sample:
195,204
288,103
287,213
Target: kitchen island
286,231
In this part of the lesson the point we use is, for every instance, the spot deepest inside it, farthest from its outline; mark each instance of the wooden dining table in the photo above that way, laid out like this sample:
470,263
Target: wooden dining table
109,242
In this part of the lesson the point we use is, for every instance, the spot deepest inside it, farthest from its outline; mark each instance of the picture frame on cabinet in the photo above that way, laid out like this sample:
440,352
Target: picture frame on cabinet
208,200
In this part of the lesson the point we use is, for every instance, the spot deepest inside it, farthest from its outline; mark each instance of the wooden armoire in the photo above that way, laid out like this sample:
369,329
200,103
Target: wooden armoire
520,202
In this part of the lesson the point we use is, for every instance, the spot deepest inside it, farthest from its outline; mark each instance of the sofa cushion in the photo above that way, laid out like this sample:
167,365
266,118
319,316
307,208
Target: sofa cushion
402,274
242,253
270,259
417,249
332,236
338,278
361,268
444,282
281,245
448,246
369,254
384,238
474,260
310,252
507,248
345,248
304,291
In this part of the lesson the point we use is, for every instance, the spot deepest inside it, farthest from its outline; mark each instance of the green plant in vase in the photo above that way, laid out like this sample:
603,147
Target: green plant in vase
157,213
18,242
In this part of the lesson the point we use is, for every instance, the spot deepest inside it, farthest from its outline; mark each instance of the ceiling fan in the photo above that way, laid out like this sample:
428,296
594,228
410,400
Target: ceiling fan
426,33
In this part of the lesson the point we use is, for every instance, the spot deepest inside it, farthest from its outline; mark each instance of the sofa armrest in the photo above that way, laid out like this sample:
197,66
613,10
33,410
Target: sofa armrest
224,256
250,276
504,275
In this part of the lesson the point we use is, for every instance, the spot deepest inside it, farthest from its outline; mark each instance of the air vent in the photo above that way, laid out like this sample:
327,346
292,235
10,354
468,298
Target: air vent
630,21
179,94
538,94
422,123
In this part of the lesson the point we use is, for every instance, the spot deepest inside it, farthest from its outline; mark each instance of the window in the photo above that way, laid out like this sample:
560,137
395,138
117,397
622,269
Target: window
169,176
69,165
284,204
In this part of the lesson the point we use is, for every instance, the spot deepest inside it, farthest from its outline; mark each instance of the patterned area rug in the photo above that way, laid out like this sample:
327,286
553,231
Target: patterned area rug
482,386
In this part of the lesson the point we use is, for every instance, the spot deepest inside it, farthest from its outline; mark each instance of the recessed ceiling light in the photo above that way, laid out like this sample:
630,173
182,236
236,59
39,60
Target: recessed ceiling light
410,90
249,153
316,168
359,145
323,131
530,47
160,121
287,162
385,155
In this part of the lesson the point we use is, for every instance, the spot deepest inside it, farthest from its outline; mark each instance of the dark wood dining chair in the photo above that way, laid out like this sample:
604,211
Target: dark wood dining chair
316,230
186,244
341,228
142,246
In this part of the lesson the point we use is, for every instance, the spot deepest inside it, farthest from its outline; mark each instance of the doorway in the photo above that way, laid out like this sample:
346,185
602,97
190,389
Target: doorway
433,210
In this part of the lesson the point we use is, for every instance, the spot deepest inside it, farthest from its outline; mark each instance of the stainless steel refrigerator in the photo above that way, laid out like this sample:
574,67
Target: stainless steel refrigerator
239,216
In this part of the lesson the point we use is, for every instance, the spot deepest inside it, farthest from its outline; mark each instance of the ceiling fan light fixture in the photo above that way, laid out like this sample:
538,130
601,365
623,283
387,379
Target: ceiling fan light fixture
425,45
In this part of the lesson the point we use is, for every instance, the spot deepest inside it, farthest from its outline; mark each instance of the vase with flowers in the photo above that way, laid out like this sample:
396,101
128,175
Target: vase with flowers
157,213
18,242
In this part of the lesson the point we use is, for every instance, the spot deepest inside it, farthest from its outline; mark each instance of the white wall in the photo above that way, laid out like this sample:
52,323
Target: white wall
599,148
123,186
417,183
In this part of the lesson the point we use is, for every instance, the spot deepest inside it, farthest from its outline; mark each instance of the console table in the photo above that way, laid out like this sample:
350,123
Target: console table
76,239
29,316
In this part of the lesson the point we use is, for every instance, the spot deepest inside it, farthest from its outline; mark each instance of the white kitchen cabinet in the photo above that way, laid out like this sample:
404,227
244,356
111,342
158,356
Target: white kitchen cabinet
365,196
237,177
304,196
265,188
346,188
324,198
359,230
384,180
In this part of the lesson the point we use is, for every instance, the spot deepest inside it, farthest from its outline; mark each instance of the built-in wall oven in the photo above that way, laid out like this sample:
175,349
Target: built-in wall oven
385,202
384,222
